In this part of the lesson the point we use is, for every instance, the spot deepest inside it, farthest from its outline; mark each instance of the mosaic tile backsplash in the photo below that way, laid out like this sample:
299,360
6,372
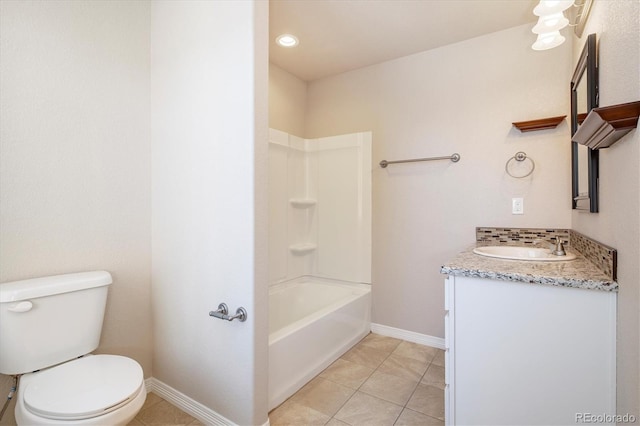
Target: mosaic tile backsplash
521,235
604,257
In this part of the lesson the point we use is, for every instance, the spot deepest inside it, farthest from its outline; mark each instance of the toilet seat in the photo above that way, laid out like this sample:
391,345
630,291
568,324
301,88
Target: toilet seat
84,388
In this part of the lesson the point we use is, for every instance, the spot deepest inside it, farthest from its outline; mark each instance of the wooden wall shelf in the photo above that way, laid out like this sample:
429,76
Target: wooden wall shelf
605,126
539,124
581,117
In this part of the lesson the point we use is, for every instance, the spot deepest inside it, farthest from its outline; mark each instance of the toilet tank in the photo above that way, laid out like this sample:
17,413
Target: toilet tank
49,320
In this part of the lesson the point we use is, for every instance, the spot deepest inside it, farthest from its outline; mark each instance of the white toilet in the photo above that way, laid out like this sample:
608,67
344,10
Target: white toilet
48,327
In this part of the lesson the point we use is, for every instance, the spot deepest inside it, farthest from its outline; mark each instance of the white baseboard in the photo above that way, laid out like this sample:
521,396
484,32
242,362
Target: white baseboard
410,336
186,404
210,417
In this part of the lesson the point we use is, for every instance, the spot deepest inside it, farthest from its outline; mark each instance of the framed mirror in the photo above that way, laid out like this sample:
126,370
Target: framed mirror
584,160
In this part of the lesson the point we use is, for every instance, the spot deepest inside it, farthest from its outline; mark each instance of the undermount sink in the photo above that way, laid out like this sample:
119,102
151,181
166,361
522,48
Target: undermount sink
522,253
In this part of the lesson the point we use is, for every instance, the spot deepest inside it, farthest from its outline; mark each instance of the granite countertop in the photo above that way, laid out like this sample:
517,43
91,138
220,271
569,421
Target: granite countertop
578,273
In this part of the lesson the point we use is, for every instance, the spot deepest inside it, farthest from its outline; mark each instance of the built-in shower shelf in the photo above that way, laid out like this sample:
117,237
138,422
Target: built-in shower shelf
302,248
302,203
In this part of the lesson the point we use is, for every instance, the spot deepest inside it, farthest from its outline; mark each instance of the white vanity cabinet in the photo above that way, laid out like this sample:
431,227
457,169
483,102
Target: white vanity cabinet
535,354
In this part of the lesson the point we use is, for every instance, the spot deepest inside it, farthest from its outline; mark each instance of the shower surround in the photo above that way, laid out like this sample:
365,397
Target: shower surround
319,254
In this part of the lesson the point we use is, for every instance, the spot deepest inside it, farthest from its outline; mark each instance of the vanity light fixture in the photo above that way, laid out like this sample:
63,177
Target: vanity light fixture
549,7
550,23
287,40
547,41
551,20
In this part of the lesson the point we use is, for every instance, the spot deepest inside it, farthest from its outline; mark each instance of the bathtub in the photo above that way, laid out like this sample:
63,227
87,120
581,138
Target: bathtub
312,322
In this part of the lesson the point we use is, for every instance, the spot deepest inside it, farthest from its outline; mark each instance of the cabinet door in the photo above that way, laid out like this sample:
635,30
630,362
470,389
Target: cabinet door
531,354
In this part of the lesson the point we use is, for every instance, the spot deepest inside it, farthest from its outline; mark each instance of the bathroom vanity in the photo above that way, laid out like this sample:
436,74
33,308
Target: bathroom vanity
528,342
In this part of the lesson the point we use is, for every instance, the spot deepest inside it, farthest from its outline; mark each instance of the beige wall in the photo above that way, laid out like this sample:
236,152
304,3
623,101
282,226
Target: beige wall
287,101
209,159
459,98
76,177
617,224
75,154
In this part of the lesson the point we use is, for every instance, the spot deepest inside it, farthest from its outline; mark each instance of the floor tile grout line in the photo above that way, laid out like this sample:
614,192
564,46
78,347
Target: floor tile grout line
416,388
429,363
365,380
376,369
403,406
415,411
361,384
414,391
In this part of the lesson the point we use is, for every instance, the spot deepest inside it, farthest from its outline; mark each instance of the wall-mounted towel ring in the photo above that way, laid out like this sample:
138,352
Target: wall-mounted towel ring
520,156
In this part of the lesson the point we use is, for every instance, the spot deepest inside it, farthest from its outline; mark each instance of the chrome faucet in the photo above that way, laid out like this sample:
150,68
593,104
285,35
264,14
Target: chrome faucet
559,248
556,248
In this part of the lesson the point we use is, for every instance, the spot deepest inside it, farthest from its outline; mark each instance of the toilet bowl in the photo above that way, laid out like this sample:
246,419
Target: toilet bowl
49,327
92,390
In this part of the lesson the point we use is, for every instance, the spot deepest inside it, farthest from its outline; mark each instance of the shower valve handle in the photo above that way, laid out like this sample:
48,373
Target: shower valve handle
223,313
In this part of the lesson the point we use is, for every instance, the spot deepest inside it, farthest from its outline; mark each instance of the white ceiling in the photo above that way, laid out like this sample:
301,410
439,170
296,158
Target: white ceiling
341,35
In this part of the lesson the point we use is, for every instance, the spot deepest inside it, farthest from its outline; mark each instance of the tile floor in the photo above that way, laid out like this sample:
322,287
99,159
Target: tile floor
380,381
157,411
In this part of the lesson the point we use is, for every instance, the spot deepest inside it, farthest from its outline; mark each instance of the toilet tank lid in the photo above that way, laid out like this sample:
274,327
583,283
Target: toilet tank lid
16,291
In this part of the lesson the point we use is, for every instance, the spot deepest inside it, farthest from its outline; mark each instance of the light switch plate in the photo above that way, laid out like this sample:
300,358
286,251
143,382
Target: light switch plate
517,205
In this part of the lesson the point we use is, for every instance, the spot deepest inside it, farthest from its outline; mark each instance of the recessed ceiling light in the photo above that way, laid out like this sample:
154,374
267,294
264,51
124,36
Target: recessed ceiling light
287,40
